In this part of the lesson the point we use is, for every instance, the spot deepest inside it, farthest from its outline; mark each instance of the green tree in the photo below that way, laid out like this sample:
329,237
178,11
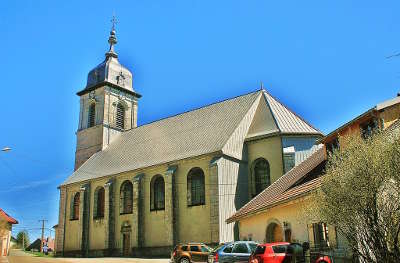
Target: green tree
23,239
360,195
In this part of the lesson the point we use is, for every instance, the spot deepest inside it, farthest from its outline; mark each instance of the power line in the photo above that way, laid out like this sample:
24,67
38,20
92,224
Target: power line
41,240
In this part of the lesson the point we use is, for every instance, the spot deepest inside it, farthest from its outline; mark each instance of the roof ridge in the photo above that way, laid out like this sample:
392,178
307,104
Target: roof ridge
303,184
294,113
8,218
192,110
240,122
272,112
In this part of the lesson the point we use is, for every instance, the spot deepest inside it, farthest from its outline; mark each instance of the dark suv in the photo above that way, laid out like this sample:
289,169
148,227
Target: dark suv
188,253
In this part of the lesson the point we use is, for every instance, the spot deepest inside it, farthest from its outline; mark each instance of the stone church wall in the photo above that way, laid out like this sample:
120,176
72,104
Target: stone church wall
271,150
159,229
72,227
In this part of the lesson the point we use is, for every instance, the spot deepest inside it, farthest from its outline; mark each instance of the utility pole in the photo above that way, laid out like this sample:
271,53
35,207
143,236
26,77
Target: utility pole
41,241
23,240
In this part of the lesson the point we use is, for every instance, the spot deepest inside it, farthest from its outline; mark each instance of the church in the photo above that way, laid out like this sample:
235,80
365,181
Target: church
140,190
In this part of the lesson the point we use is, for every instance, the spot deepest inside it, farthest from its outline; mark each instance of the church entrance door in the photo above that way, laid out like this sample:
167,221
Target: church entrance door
126,244
274,233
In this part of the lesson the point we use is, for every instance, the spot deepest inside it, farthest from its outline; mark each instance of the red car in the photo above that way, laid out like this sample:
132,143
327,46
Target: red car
281,252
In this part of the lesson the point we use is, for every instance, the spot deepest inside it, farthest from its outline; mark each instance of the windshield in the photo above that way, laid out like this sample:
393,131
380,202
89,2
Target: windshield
219,247
206,249
253,247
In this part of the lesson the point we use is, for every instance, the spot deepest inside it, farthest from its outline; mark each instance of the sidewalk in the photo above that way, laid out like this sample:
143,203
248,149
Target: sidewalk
18,256
111,260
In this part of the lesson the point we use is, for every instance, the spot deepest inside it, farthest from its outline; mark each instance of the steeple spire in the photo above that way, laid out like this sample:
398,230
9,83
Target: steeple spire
112,40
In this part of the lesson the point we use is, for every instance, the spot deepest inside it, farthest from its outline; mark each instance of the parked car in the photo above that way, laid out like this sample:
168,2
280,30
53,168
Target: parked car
188,253
279,252
234,252
323,259
282,252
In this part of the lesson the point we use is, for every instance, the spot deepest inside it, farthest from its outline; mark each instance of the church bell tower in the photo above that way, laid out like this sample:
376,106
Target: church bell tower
108,105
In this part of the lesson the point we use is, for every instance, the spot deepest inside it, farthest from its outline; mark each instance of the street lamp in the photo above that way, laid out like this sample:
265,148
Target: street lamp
6,149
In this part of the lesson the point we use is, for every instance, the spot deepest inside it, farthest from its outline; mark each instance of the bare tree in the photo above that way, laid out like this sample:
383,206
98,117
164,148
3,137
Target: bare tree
360,195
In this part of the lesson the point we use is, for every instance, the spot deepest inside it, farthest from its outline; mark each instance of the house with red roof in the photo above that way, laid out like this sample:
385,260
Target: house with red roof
6,222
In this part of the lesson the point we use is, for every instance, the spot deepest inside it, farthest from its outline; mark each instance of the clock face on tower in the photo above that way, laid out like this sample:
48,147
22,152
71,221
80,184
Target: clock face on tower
121,79
92,95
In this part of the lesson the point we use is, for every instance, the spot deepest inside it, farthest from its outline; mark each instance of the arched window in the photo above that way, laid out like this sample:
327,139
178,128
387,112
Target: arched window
157,193
92,115
261,173
120,116
195,187
126,197
98,209
74,213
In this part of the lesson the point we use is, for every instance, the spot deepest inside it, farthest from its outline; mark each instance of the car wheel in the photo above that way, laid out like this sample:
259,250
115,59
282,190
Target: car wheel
184,260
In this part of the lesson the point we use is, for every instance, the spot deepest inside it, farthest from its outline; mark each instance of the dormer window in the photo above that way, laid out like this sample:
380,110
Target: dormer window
368,128
92,115
289,160
332,145
120,116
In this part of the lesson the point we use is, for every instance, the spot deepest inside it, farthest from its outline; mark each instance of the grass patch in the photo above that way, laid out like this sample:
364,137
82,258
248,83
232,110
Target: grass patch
40,254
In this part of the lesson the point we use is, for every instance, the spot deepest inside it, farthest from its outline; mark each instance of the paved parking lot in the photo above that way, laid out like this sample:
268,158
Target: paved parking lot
18,256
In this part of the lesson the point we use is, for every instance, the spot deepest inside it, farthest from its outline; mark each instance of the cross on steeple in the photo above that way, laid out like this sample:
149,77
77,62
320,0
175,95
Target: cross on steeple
112,40
114,21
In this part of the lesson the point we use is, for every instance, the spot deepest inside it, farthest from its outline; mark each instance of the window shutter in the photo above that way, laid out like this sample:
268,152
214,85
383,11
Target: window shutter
71,208
95,204
189,190
332,236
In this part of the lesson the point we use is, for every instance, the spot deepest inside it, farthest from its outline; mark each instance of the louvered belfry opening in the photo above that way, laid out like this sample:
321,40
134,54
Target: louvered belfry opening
120,117
92,115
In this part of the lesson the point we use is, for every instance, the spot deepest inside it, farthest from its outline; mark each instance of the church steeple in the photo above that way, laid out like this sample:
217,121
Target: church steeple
111,71
108,104
112,40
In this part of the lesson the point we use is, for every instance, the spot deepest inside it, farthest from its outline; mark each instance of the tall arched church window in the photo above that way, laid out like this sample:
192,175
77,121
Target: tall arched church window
126,197
196,187
261,173
92,115
74,212
120,116
98,209
157,192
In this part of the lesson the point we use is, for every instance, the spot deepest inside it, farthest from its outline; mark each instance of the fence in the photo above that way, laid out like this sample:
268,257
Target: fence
335,255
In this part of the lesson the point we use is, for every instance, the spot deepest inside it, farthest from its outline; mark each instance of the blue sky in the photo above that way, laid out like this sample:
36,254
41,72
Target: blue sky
326,60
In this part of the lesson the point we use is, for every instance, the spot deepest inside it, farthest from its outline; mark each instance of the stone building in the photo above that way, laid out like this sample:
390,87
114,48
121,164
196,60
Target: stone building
140,190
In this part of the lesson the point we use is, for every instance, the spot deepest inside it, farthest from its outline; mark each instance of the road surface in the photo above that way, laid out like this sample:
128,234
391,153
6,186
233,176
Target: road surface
18,256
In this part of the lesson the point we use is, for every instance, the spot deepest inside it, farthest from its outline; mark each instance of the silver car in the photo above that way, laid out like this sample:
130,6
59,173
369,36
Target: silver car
235,252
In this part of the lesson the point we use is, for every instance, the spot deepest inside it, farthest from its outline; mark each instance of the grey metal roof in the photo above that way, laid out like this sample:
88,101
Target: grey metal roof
193,133
201,131
287,120
110,70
